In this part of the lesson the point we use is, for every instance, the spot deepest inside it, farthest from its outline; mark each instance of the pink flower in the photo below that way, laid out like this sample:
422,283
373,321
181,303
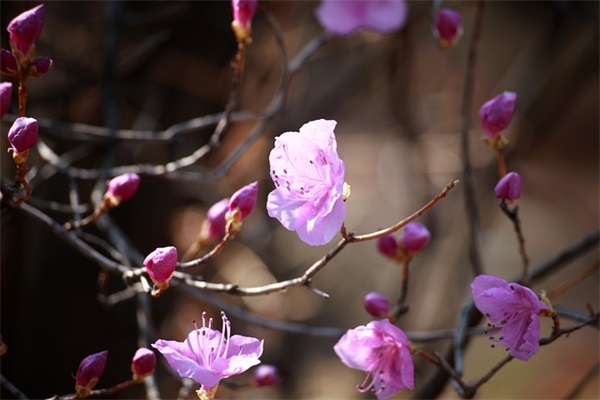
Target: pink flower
160,264
376,305
266,375
388,246
309,183
89,372
243,11
23,134
415,237
26,28
123,187
214,225
244,200
497,113
514,309
143,363
207,355
448,27
344,17
509,187
5,96
382,350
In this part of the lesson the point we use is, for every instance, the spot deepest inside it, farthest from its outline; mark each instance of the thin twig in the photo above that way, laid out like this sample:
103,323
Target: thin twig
513,215
573,280
12,388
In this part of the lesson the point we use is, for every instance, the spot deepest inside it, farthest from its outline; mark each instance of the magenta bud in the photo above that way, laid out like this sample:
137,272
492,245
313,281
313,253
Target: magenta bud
40,66
23,134
215,220
244,199
6,89
123,187
266,375
8,63
160,264
448,27
143,363
243,11
497,113
509,187
376,305
26,28
89,372
415,237
387,246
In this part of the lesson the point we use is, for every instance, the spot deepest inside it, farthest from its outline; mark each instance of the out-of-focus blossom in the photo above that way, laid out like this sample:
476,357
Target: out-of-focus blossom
309,183
512,308
383,351
448,27
143,364
26,28
266,375
123,187
160,265
376,304
213,227
89,372
497,113
23,134
345,17
509,187
415,237
207,355
243,13
387,246
6,89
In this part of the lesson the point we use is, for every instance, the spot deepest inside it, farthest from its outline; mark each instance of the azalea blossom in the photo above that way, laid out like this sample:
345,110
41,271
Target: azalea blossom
123,187
345,17
309,182
415,238
448,27
26,28
497,113
89,372
509,187
512,308
207,355
382,350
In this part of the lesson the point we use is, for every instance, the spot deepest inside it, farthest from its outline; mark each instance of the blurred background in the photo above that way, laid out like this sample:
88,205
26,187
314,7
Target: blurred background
397,101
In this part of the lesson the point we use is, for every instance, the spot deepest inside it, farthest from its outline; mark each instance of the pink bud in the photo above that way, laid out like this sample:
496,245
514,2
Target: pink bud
243,11
8,63
5,96
23,134
497,113
40,66
448,27
376,305
266,375
509,187
89,372
415,237
244,199
215,219
26,29
143,363
161,263
387,246
123,187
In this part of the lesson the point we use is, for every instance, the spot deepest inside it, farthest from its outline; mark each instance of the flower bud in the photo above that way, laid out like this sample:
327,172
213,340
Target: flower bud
497,113
5,96
89,372
266,375
160,265
23,134
122,187
213,227
448,27
415,237
26,28
387,246
143,364
40,66
376,305
244,200
8,63
243,12
509,187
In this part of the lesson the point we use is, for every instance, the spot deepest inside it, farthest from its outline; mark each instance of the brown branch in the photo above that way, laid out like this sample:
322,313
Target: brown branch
513,215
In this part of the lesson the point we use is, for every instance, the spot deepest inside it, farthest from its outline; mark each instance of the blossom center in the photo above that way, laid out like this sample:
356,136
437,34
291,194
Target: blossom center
206,353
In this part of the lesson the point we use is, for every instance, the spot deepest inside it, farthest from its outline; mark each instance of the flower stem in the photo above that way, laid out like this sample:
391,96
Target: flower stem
513,215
